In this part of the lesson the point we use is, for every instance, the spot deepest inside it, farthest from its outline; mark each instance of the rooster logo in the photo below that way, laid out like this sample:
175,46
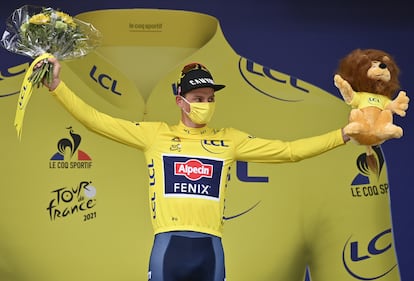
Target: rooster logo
364,166
69,147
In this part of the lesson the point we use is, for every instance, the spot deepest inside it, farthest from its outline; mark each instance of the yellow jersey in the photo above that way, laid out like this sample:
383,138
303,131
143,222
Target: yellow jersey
189,168
364,99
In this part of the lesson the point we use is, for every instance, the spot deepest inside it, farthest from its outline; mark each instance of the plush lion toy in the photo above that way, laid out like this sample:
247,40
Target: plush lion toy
368,81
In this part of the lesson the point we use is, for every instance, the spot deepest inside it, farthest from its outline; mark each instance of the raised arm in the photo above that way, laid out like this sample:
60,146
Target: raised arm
134,134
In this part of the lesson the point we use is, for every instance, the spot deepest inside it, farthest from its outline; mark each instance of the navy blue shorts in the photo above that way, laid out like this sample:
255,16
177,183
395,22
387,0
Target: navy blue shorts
186,256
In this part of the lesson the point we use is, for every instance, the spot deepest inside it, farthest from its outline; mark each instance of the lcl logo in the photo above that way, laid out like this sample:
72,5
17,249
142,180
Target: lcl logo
265,81
105,80
369,253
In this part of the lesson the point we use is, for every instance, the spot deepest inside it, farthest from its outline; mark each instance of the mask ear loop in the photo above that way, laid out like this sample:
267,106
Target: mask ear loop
187,102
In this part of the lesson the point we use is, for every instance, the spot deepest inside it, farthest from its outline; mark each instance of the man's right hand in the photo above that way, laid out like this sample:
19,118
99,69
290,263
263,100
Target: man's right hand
56,71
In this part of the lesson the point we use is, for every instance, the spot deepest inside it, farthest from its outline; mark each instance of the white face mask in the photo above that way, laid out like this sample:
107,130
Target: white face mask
200,112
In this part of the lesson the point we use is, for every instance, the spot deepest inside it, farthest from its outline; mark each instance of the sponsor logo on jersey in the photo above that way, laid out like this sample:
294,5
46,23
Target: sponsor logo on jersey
194,177
374,101
215,146
176,144
369,259
193,169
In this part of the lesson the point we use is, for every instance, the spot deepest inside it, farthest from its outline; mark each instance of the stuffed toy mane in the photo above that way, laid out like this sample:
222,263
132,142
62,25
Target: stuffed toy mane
368,80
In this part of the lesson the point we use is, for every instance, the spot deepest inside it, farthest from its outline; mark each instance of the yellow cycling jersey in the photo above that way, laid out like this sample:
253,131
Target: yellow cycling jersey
364,99
189,168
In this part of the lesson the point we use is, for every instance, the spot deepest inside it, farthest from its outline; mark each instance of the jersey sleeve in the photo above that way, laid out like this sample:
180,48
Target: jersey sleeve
135,134
356,100
254,149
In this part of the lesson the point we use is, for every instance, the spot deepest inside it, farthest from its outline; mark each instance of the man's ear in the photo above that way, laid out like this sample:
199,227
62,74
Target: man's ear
178,100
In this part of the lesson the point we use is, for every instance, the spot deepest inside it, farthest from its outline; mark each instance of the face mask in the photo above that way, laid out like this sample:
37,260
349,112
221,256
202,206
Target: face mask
200,112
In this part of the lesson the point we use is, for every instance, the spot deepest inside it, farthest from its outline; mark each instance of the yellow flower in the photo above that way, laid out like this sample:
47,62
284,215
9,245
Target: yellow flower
39,19
66,18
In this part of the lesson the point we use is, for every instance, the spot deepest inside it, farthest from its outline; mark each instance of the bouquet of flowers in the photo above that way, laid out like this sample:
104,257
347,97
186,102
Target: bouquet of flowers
40,33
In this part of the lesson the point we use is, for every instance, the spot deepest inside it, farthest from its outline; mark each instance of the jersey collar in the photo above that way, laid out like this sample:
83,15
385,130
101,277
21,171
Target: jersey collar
204,131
